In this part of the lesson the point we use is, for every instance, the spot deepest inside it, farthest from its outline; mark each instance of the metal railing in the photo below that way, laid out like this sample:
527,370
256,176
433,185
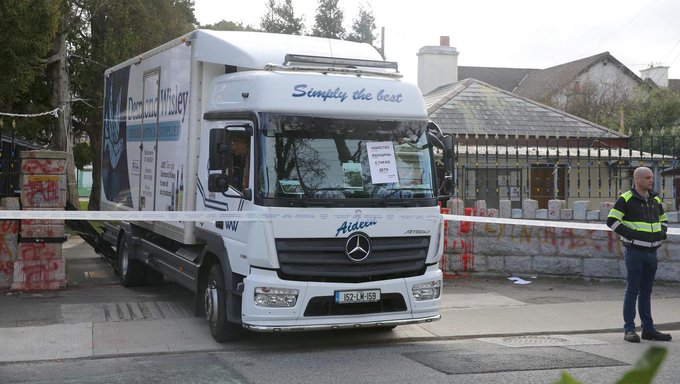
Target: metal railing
495,168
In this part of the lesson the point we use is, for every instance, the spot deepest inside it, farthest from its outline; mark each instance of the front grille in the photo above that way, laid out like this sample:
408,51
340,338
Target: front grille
325,259
326,306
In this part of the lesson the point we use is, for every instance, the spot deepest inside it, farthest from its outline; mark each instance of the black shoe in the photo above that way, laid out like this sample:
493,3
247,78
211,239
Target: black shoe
656,335
631,337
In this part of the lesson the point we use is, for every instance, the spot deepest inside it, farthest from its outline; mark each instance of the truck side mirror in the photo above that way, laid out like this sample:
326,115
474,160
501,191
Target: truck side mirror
218,182
219,146
218,160
449,184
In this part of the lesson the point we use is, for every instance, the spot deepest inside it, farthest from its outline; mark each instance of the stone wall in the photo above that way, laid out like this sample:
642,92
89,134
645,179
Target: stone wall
534,250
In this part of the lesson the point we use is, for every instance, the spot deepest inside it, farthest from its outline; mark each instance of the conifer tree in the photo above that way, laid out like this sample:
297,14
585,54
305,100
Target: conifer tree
328,20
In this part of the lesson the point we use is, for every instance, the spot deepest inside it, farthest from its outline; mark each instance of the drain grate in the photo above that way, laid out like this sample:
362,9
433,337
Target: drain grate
510,360
541,341
97,274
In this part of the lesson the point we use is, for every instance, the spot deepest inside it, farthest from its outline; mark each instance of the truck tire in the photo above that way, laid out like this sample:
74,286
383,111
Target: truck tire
215,307
132,272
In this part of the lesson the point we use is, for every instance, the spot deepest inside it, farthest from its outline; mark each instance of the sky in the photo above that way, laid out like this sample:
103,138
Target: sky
501,33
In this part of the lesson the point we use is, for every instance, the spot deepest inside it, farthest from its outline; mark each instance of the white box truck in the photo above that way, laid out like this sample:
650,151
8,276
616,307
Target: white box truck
317,149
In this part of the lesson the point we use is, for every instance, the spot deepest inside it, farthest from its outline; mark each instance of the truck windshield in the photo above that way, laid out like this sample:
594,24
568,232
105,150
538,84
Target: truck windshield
310,158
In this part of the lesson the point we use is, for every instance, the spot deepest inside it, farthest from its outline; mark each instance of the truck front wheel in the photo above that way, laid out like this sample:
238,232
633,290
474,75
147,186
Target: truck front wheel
215,306
131,272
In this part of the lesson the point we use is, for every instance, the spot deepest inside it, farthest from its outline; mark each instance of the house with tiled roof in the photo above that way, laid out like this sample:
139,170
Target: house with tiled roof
510,146
503,78
543,84
556,84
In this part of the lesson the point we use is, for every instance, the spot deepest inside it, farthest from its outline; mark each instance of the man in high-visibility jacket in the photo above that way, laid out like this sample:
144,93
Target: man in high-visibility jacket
639,219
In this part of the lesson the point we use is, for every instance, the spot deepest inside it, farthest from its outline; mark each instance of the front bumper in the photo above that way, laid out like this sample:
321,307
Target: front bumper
321,327
268,319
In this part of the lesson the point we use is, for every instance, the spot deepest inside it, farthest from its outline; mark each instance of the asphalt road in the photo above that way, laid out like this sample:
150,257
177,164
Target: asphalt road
325,358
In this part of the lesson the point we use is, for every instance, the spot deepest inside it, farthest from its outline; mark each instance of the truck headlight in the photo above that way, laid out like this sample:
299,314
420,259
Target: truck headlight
427,291
275,297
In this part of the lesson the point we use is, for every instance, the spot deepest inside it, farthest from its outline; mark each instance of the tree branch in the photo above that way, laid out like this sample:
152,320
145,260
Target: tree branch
50,60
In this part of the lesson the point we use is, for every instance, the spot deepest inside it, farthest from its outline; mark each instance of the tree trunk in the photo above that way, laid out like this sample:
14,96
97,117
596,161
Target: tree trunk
63,138
96,145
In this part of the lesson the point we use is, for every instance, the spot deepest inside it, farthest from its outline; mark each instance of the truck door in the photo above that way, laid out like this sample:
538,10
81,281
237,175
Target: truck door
149,140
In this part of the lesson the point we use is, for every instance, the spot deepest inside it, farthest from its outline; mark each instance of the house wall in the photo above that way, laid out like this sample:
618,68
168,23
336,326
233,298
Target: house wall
608,78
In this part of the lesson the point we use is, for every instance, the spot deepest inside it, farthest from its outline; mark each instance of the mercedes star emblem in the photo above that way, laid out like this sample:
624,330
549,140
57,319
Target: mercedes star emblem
358,246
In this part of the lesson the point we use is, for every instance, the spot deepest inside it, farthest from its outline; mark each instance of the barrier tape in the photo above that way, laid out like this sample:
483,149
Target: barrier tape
540,223
257,216
195,215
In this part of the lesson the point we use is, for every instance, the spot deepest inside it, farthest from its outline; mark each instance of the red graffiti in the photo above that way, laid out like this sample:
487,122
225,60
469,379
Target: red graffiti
7,267
571,239
42,166
39,271
9,226
39,251
39,193
467,229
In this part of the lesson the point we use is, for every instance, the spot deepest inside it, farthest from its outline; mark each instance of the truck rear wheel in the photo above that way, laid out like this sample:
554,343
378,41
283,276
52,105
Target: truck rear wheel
215,306
131,272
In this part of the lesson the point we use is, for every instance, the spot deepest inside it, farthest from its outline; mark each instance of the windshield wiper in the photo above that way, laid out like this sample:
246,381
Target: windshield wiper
392,192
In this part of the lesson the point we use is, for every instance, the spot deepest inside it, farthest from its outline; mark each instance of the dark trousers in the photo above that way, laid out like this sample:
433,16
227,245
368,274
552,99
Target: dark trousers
641,269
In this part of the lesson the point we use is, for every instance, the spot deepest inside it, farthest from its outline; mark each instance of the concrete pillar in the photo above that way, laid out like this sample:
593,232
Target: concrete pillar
604,210
505,209
529,208
567,214
581,209
480,208
39,264
456,206
554,209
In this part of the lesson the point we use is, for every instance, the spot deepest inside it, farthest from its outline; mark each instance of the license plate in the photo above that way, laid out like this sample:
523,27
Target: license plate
362,296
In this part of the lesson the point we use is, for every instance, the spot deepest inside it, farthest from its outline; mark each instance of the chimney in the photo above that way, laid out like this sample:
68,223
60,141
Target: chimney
659,75
437,65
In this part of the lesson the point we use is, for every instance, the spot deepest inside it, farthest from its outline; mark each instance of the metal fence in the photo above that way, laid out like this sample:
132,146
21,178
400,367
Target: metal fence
10,163
544,168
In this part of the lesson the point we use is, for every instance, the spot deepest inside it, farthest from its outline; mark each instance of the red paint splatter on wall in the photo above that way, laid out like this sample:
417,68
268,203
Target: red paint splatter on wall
39,275
39,251
9,226
43,166
43,191
7,267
